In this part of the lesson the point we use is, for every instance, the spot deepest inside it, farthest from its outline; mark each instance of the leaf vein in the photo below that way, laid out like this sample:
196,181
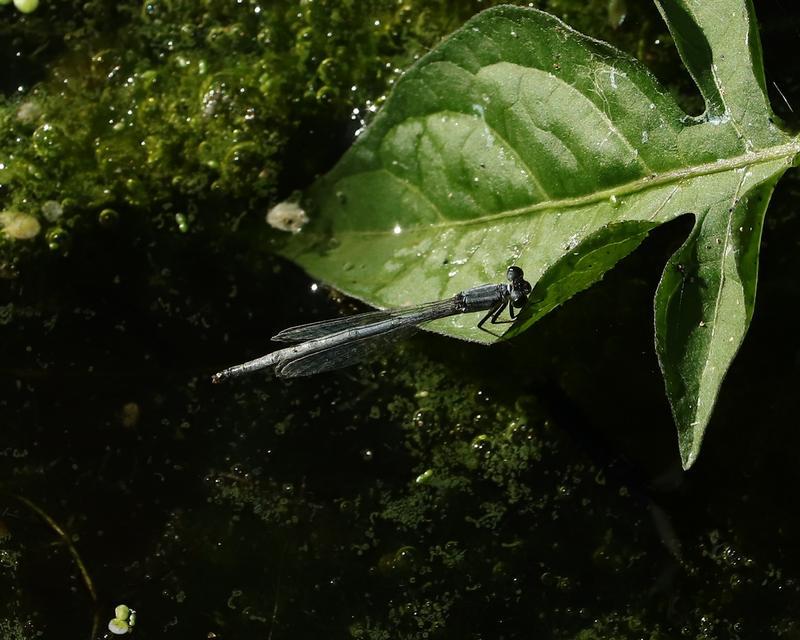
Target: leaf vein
786,152
722,275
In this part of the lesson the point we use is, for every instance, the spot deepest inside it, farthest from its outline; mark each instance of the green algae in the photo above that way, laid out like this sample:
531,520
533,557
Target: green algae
492,538
196,117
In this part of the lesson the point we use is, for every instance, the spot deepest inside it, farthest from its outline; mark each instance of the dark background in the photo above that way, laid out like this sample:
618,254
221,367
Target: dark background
275,510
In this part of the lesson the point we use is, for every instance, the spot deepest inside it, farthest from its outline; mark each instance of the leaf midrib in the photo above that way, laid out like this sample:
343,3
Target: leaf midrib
763,156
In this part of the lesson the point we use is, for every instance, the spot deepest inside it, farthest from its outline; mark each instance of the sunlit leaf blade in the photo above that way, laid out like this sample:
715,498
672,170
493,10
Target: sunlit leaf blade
719,43
704,304
519,140
705,300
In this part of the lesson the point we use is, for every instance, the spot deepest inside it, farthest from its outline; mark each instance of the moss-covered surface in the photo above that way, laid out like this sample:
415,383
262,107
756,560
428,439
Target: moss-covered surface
447,491
183,116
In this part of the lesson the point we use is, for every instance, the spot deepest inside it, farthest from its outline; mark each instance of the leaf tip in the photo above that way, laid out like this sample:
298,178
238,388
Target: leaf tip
689,444
687,459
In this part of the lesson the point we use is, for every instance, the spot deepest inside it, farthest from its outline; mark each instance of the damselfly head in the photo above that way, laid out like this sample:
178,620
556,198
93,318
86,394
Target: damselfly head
514,273
519,287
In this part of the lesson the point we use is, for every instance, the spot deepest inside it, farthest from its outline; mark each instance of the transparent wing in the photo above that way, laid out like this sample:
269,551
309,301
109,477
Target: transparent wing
323,328
342,355
303,332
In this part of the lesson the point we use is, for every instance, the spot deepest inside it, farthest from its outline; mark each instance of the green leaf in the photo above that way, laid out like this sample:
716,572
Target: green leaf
704,304
519,140
719,43
578,270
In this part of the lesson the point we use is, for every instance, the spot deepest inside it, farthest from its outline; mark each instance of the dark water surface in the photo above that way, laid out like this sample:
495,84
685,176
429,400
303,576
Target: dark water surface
529,490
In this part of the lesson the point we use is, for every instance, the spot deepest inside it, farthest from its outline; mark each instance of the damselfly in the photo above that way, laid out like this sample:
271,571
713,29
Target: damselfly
333,344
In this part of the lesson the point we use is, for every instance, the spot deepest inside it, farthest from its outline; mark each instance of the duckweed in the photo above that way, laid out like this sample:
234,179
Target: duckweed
26,6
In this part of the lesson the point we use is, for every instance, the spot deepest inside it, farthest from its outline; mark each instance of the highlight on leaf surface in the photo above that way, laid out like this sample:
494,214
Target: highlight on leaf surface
521,141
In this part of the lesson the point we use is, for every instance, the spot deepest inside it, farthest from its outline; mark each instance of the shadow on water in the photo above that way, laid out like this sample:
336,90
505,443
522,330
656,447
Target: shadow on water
548,495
